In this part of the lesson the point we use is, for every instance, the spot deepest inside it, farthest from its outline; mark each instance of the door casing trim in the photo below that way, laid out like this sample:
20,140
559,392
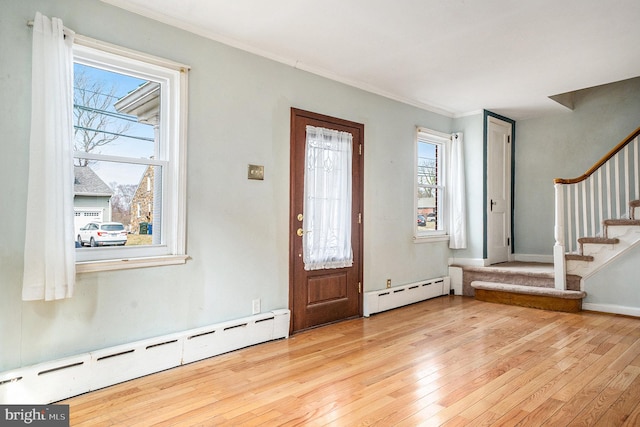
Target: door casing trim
487,114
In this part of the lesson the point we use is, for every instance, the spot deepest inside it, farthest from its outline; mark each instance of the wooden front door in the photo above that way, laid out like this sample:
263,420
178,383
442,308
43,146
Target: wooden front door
326,295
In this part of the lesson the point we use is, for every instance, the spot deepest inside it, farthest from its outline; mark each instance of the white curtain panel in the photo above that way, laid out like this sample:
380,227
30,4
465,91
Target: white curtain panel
326,220
49,252
456,195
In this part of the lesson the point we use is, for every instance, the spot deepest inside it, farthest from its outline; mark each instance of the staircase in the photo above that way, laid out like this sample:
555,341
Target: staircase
531,285
595,223
526,284
596,213
594,253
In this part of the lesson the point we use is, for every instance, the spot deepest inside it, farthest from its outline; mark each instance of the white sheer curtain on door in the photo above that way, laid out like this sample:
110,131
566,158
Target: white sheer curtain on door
456,195
49,252
327,199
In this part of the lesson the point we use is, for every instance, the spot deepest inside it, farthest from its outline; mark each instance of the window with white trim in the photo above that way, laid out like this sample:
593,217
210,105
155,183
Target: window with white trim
431,149
129,151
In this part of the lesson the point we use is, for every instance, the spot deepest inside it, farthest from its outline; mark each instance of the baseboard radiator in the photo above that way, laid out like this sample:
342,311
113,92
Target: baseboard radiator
397,296
63,378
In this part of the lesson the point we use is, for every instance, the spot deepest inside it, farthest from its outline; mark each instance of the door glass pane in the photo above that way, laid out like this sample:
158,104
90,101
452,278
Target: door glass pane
327,199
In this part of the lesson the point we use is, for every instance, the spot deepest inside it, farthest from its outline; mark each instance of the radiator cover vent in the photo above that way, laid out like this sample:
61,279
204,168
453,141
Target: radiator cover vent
398,296
63,378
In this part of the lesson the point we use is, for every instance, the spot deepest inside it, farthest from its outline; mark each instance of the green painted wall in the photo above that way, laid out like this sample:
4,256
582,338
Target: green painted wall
565,145
239,113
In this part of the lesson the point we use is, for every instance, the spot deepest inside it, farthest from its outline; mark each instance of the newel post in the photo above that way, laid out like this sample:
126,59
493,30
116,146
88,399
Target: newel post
559,266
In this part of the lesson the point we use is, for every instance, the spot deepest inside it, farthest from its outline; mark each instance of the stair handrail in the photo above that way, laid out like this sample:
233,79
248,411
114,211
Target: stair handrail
573,185
615,150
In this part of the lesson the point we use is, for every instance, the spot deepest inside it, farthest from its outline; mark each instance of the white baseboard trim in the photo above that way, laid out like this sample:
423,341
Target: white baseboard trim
470,262
398,296
612,308
548,259
60,379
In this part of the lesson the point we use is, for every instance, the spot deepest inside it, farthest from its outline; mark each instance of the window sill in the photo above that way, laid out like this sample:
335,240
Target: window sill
431,239
125,264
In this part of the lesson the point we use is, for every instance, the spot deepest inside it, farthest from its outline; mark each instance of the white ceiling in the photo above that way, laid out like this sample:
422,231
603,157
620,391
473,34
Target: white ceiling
450,56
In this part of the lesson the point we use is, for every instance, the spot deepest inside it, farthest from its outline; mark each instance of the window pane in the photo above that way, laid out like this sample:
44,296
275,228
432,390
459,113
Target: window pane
123,193
428,173
428,179
429,187
114,114
117,115
428,210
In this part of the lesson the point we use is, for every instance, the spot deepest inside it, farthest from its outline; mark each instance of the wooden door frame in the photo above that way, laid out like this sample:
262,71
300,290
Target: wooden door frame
293,183
487,114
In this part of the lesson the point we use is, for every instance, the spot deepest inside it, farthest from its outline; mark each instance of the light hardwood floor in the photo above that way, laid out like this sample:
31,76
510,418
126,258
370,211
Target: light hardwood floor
448,361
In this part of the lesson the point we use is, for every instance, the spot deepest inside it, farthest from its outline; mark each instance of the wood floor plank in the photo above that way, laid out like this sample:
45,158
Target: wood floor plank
580,400
624,406
633,419
607,398
541,413
602,363
449,361
544,393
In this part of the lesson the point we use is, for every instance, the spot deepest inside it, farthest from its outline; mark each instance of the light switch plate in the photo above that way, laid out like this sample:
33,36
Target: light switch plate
256,172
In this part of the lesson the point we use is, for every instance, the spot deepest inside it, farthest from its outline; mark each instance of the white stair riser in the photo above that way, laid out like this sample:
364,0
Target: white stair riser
628,235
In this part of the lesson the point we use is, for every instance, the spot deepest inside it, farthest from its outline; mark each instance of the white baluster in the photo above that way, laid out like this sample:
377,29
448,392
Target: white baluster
569,226
616,177
626,178
593,207
636,177
585,224
600,203
608,171
576,195
559,267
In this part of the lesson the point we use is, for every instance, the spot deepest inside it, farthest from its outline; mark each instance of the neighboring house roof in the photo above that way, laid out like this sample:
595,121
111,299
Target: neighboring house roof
87,183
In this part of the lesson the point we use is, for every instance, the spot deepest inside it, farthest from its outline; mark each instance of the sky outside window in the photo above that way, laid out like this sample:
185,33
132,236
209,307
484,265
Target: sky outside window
135,139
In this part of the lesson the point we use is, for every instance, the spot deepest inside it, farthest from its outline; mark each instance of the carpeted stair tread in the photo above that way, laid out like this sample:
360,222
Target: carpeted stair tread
578,257
517,273
528,290
609,222
600,240
498,268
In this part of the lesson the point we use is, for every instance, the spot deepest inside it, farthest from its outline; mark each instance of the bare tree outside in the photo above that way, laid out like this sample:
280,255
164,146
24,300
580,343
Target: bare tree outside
104,137
427,176
121,202
428,188
96,122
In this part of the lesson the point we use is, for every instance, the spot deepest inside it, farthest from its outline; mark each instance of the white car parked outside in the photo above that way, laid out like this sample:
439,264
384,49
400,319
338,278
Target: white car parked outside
102,234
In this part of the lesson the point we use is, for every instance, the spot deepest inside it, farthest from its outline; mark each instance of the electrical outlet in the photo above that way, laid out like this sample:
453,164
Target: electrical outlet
256,306
388,283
